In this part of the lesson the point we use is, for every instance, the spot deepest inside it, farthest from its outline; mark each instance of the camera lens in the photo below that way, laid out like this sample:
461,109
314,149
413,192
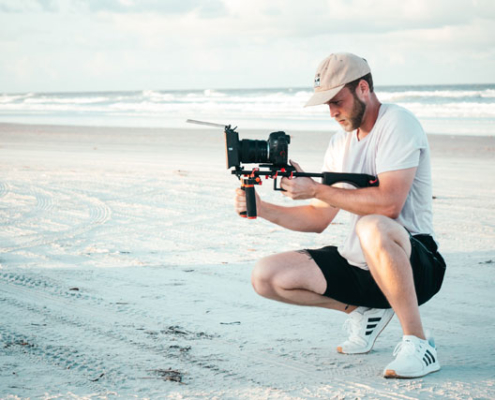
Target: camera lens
254,151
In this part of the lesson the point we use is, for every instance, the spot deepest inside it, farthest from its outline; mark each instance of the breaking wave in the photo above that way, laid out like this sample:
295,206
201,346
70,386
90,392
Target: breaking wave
450,106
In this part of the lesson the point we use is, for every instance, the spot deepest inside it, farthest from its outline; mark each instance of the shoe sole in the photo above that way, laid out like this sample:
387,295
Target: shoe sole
339,348
391,374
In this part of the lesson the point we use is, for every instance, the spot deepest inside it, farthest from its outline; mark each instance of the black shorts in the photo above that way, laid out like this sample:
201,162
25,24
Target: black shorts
353,285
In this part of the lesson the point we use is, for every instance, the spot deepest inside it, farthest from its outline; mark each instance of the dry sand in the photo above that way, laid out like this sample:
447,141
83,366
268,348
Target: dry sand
124,272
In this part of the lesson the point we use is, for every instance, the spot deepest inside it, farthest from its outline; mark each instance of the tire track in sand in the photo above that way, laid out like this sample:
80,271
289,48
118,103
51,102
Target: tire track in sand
43,203
98,213
90,319
72,320
4,189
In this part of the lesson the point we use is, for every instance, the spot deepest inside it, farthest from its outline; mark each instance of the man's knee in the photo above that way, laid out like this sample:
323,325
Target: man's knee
371,230
377,232
262,276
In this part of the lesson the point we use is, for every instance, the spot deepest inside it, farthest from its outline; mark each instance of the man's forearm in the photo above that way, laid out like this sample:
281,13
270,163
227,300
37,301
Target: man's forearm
387,199
305,218
362,201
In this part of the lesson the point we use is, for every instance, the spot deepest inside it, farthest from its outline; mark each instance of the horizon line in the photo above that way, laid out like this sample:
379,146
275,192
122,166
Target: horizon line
235,89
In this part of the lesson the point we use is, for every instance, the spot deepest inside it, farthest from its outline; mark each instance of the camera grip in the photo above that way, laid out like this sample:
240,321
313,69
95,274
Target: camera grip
248,187
357,180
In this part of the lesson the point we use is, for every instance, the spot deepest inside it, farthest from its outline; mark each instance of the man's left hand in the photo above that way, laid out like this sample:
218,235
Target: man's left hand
298,188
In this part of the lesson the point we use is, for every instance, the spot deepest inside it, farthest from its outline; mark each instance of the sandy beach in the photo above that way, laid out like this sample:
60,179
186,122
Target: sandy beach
125,273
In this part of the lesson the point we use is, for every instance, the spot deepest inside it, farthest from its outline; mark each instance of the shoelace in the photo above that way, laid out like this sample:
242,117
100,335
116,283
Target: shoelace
405,348
352,326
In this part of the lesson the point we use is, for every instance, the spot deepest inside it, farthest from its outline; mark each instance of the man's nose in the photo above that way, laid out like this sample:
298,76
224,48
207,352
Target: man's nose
333,110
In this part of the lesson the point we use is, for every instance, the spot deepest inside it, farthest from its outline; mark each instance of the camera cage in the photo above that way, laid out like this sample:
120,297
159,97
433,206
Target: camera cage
251,177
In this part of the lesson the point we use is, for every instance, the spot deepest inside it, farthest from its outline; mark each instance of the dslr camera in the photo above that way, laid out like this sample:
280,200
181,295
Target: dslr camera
273,151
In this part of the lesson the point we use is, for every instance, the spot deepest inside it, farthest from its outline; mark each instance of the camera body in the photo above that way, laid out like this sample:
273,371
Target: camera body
273,151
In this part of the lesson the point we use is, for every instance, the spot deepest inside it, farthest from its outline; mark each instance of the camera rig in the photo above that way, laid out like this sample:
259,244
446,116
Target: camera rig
271,156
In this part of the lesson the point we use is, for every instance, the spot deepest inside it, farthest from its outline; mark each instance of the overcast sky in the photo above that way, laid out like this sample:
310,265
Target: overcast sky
98,45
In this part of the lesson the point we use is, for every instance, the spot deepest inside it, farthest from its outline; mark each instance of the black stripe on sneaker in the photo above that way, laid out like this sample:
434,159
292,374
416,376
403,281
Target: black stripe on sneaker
431,355
368,333
371,326
425,361
428,357
374,319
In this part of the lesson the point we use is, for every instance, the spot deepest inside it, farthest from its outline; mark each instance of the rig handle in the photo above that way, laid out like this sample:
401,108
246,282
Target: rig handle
357,180
248,186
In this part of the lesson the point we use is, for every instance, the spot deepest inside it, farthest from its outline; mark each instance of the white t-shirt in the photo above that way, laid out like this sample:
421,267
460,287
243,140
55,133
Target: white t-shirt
397,141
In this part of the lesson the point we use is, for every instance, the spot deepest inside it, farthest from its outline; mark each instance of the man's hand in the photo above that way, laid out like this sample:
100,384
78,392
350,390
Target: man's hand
240,202
298,188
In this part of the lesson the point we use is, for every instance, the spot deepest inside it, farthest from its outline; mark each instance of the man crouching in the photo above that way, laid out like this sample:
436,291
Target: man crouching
389,262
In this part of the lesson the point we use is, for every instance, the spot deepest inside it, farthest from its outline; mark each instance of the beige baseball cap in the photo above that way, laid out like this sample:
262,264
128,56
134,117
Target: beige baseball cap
333,73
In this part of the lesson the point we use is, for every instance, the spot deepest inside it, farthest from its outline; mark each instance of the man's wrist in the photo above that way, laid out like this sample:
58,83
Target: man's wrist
260,208
317,190
324,193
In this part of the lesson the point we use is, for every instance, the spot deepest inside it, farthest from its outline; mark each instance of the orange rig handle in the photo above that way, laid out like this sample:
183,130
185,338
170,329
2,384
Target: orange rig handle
247,184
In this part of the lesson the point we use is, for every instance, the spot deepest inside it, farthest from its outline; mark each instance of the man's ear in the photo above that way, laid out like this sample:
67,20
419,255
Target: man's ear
363,89
363,86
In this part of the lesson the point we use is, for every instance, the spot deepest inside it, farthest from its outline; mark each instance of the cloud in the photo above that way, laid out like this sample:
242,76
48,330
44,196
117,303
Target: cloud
118,44
8,6
206,8
169,7
279,17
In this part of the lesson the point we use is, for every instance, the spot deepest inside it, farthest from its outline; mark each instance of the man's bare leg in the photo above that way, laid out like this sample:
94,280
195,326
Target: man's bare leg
387,249
294,278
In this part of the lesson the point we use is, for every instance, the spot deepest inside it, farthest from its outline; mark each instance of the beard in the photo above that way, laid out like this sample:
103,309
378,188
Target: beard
357,113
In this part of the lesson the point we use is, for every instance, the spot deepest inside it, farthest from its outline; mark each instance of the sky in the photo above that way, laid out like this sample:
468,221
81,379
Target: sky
113,45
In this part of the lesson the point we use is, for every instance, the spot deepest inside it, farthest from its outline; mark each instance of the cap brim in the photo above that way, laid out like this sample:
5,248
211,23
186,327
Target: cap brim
323,97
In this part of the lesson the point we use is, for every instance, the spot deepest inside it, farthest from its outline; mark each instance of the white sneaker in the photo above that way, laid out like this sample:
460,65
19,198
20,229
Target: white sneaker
415,358
364,325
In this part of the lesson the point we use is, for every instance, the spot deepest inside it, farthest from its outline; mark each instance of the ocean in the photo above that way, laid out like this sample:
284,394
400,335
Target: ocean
442,109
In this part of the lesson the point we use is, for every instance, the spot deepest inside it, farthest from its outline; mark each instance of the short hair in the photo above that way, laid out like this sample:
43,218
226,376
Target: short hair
354,84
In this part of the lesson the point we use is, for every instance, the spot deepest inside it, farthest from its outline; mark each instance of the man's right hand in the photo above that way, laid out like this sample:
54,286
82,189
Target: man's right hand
240,201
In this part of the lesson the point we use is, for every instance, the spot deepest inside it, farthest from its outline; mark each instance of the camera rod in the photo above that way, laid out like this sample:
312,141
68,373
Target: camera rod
193,121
